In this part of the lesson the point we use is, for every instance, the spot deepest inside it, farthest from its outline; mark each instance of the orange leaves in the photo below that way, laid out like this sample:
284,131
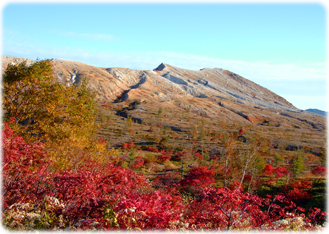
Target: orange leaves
45,109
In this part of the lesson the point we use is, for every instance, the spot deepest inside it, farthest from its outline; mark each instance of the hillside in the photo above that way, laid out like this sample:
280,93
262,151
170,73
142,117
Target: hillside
168,139
317,111
216,93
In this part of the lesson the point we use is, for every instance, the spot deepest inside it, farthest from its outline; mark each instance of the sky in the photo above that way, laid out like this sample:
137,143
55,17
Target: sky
280,46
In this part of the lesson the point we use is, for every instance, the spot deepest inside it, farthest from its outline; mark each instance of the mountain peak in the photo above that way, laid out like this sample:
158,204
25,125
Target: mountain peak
215,93
161,67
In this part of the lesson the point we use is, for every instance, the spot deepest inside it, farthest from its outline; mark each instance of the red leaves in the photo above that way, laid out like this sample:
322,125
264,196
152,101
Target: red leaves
179,155
22,164
223,208
268,170
111,197
18,153
198,177
149,211
165,156
278,171
198,155
101,140
316,216
152,149
138,163
241,131
129,145
319,171
247,178
296,191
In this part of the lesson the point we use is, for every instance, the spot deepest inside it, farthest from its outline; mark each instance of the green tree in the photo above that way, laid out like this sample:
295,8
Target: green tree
43,108
298,164
160,110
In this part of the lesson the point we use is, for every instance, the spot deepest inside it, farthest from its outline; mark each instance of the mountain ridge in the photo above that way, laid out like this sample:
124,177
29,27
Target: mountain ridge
317,111
216,93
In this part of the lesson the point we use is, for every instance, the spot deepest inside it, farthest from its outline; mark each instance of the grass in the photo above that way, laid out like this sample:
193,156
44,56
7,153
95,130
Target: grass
178,130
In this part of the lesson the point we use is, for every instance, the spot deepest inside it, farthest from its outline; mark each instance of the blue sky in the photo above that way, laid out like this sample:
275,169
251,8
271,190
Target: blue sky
279,46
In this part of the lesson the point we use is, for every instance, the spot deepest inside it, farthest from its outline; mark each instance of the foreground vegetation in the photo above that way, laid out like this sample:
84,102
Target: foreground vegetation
70,165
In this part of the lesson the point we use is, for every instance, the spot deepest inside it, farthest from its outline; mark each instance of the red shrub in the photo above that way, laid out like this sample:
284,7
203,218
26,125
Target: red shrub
297,191
152,149
280,171
198,177
198,155
111,197
268,170
179,155
319,171
131,145
223,208
150,211
128,145
125,146
23,166
247,178
138,163
165,156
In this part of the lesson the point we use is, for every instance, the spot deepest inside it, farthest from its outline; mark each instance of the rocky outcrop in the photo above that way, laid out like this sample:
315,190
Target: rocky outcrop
213,92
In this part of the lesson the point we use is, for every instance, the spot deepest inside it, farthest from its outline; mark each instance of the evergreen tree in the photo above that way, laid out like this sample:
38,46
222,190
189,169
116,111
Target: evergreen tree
298,164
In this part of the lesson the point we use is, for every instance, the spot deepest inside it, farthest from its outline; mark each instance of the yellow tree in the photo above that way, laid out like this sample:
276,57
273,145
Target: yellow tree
43,108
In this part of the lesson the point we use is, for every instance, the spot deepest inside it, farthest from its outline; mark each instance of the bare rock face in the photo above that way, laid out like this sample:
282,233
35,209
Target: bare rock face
214,92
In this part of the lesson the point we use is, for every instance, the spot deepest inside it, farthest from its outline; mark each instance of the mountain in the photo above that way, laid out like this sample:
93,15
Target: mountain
216,93
317,111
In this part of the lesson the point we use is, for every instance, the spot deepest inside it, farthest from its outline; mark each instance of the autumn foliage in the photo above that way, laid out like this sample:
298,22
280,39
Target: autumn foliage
110,197
56,175
44,109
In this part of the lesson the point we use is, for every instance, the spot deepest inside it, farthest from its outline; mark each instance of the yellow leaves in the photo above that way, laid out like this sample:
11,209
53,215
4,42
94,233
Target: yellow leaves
68,153
30,92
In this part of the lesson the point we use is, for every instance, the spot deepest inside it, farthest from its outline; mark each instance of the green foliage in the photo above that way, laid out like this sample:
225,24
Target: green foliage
44,109
160,110
298,164
201,130
279,160
129,121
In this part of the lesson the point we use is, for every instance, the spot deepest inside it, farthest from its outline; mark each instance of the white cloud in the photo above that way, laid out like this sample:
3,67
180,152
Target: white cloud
90,36
287,80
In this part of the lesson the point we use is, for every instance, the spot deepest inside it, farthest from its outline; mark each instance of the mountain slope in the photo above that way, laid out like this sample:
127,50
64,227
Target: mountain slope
216,93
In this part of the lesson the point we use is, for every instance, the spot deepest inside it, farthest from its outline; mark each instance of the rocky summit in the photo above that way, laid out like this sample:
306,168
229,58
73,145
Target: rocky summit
216,93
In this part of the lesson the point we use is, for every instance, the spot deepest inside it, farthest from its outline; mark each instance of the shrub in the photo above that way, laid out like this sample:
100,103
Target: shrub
44,109
319,171
197,178
23,163
165,156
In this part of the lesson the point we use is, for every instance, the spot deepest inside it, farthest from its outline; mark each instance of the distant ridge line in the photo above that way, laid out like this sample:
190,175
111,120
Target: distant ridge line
317,111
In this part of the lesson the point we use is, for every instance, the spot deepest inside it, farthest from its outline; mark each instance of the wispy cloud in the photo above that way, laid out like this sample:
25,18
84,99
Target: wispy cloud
6,30
253,70
301,84
90,36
